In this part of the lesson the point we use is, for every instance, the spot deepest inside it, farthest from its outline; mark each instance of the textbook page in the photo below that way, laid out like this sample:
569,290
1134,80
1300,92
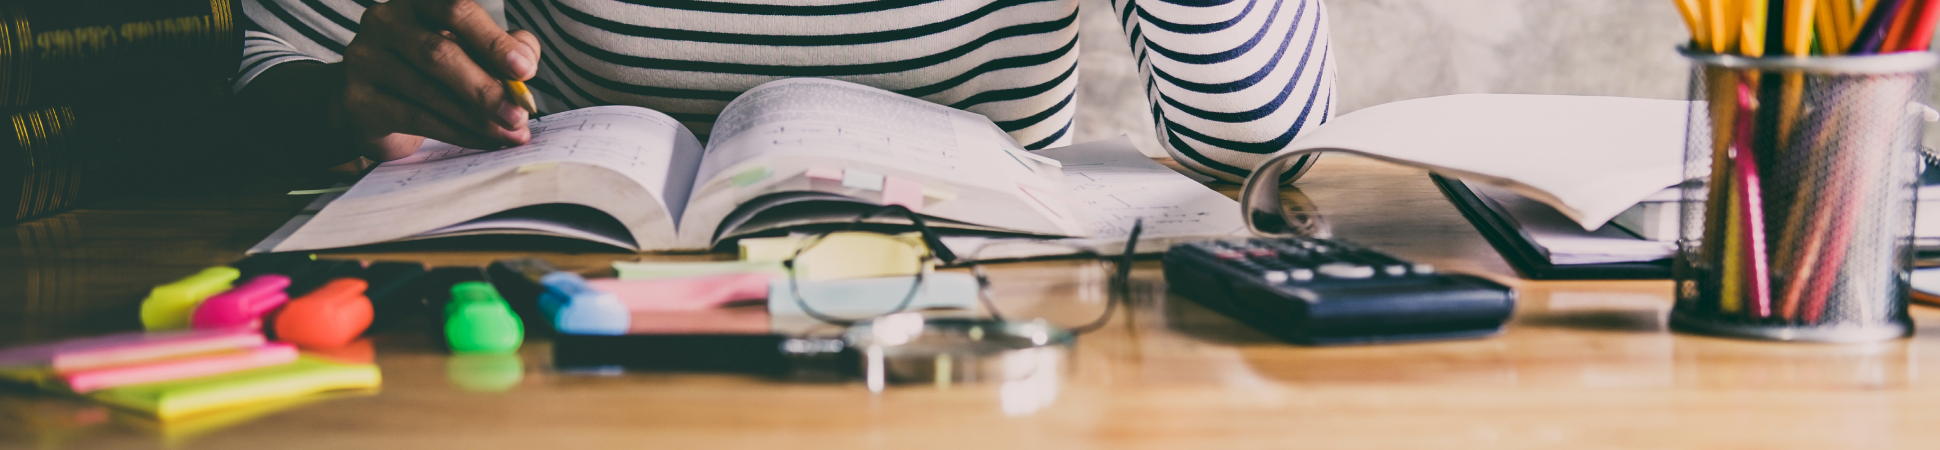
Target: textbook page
645,145
1589,157
782,136
824,118
631,163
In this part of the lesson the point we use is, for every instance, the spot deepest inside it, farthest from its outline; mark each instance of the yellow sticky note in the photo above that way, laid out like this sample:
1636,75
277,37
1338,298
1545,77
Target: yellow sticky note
654,270
844,255
169,400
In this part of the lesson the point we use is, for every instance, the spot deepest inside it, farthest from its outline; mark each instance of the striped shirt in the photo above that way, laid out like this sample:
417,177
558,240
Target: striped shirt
1229,81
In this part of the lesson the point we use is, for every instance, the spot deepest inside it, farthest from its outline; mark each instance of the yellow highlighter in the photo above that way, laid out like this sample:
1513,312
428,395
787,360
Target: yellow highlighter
168,306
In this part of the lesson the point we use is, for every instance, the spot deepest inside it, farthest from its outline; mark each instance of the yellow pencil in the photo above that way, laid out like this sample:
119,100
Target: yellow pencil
1752,42
1723,17
521,96
1693,19
1798,27
1826,21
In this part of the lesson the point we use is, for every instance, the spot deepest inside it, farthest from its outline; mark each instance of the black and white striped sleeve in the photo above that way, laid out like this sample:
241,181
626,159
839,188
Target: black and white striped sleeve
1231,81
284,31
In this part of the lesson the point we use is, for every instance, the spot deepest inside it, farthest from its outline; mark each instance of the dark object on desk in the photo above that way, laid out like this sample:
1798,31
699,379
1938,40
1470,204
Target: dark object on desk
523,295
317,273
769,355
1521,250
396,292
1321,292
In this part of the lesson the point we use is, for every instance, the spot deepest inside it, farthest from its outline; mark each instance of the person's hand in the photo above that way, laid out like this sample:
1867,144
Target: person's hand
432,69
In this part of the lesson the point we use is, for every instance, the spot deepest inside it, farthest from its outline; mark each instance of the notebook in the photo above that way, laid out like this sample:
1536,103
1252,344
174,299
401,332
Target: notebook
787,153
1637,244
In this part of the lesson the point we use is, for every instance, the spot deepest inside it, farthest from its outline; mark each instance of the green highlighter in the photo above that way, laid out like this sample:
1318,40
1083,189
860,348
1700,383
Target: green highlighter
479,321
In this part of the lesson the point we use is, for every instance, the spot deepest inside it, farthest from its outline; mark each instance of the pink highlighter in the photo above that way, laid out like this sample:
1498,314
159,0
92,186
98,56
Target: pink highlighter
242,306
269,354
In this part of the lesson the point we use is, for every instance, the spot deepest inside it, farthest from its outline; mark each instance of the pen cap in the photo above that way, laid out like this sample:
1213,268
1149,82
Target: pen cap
329,317
396,292
478,321
168,306
242,306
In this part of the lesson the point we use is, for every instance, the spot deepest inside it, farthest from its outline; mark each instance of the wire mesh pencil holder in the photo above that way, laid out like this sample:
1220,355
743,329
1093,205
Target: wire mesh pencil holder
1797,202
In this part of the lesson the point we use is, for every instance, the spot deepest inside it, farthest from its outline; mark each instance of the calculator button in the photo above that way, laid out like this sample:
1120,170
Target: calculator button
1301,274
1348,271
1395,270
1275,277
1424,269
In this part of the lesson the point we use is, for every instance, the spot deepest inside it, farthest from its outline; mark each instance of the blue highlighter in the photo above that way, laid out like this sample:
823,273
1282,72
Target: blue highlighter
574,307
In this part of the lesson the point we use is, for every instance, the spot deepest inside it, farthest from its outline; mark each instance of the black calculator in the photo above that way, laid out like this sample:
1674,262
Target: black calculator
1326,291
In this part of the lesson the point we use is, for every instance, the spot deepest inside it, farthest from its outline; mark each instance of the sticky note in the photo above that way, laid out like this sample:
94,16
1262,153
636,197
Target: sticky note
824,173
940,194
307,375
862,179
653,270
538,166
903,191
865,297
687,293
749,177
844,254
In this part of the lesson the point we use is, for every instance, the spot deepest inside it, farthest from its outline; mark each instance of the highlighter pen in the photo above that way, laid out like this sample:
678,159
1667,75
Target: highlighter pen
575,307
243,306
521,96
477,320
328,317
168,306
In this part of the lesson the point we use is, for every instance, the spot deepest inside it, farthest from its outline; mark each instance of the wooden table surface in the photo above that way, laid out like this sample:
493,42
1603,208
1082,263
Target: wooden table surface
1584,364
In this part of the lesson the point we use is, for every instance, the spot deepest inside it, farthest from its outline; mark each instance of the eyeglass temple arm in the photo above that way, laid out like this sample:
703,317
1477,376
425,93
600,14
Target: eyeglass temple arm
930,238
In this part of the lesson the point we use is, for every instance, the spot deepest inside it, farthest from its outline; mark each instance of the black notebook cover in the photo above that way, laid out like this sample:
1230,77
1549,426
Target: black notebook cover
1523,254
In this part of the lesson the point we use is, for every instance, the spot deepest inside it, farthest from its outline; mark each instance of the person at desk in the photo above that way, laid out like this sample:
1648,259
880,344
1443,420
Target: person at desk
1228,81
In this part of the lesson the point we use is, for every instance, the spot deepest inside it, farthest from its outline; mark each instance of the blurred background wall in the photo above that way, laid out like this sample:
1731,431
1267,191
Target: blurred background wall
1389,50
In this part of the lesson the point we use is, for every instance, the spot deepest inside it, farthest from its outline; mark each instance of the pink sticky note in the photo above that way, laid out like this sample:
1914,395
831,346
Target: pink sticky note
901,191
154,350
824,173
177,369
688,293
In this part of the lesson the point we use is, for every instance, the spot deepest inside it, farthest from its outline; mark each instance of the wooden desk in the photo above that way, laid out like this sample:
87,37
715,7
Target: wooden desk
1583,365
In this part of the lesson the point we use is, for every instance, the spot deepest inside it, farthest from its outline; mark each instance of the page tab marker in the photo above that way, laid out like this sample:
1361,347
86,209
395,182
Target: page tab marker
902,191
824,173
862,179
750,176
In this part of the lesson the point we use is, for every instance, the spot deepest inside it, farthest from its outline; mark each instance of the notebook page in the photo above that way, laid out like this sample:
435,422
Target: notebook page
1121,185
1590,157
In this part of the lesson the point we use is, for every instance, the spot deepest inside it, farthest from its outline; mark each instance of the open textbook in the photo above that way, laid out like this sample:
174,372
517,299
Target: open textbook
790,153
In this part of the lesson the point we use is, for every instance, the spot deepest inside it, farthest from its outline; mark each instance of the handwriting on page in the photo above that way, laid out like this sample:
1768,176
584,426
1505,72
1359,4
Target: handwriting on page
1121,192
584,136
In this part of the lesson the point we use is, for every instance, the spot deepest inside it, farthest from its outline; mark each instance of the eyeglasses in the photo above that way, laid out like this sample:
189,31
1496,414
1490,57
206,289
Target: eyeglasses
832,285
